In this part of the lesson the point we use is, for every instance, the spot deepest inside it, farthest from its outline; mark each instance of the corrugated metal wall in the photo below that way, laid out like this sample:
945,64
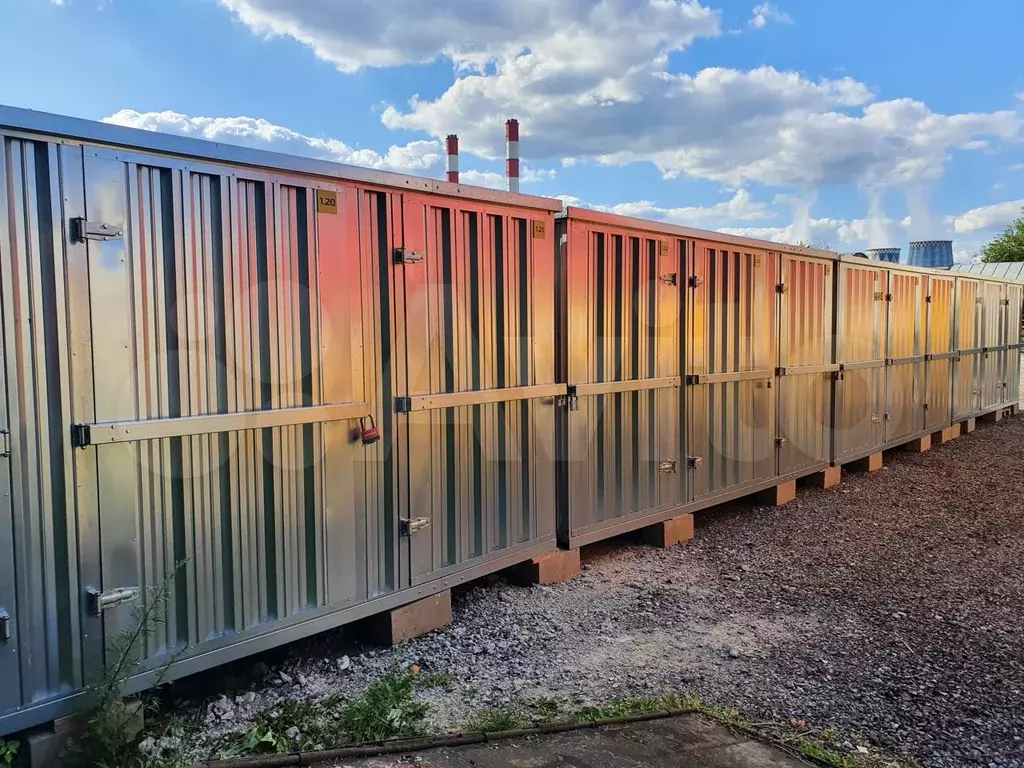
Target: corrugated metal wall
622,347
730,367
38,531
806,364
967,364
1012,339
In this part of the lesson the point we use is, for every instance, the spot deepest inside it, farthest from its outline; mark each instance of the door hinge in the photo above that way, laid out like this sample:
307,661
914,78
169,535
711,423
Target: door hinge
668,467
81,435
694,282
876,418
671,278
5,443
837,375
101,601
1004,302
692,462
780,441
928,299
5,626
407,256
780,288
410,526
82,230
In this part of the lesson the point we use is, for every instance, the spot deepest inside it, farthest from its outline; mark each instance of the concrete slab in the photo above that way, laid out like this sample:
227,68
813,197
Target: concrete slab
688,741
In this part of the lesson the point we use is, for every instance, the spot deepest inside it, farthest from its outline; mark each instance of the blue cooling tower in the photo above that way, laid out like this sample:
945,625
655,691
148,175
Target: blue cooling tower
931,253
884,254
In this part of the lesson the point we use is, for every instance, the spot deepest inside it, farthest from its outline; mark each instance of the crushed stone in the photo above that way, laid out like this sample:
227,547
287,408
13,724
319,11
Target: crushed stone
890,607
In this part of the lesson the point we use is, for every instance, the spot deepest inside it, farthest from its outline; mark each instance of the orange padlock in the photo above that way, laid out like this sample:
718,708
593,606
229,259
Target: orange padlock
369,435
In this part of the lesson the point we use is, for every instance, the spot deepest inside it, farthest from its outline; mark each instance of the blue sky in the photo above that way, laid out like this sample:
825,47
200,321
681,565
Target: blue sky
855,124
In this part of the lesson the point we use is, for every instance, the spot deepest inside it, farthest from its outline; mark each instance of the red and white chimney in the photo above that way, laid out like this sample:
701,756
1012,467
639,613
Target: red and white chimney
512,154
452,162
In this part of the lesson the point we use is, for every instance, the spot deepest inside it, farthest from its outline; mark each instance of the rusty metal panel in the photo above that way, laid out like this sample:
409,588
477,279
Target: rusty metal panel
861,321
732,335
806,355
621,347
479,320
38,537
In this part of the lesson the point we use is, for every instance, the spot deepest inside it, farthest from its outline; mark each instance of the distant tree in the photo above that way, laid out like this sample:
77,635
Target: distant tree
821,246
1009,246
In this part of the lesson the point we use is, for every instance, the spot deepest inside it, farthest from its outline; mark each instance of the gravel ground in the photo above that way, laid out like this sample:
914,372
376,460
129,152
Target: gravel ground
890,607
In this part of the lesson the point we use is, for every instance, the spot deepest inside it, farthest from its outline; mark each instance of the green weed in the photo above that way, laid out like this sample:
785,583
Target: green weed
823,754
495,720
8,752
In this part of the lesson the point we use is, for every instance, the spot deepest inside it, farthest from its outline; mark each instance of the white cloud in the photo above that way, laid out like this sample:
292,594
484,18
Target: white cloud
590,80
741,207
415,157
766,12
383,33
1015,167
494,180
988,217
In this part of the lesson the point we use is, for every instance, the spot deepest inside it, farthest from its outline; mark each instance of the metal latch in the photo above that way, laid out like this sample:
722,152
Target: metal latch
1005,302
780,441
694,461
672,278
570,399
5,443
82,230
101,601
879,296
837,375
928,299
5,626
409,527
694,282
781,371
780,288
407,256
876,418
693,379
668,467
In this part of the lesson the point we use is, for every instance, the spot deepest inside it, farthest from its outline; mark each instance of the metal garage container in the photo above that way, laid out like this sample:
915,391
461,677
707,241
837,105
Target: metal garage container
939,352
194,337
861,328
903,416
622,283
806,364
992,321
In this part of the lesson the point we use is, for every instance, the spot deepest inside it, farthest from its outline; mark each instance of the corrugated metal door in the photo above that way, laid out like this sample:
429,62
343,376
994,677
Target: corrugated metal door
622,349
806,364
939,353
730,369
992,368
203,414
1012,338
860,339
967,363
904,412
476,340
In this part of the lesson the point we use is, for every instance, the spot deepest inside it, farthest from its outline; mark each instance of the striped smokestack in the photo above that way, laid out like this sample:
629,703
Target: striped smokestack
885,254
452,162
931,253
512,154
